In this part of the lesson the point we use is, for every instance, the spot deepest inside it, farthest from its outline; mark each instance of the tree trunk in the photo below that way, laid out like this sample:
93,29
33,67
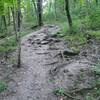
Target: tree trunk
14,22
35,7
68,14
18,15
39,11
96,2
75,2
4,20
0,23
50,3
55,6
9,16
18,30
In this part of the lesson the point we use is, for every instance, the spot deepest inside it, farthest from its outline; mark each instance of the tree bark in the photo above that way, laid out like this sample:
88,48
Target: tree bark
0,23
9,16
18,16
50,3
55,6
18,30
35,7
14,22
68,13
96,2
39,11
4,20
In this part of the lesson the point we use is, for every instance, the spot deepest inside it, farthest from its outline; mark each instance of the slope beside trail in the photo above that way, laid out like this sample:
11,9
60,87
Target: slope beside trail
41,70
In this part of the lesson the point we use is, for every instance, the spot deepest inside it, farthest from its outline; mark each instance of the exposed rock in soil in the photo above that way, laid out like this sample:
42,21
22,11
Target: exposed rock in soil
69,52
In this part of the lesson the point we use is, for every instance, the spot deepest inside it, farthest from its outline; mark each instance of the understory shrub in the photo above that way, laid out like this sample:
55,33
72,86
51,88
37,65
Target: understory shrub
94,19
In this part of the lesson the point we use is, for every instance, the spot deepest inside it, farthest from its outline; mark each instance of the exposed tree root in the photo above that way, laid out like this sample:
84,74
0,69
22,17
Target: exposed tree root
80,90
42,53
61,55
84,89
68,95
52,63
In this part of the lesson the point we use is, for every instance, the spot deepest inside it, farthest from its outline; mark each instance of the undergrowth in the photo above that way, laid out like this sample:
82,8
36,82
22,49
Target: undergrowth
3,86
59,90
95,93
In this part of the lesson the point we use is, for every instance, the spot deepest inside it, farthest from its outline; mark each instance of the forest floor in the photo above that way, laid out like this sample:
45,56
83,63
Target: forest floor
44,69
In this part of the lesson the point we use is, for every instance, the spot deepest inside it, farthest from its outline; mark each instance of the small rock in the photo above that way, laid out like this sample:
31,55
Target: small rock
22,44
44,42
82,70
53,48
37,39
50,39
51,26
38,42
65,70
45,38
32,42
57,40
68,52
34,36
84,53
29,39
70,74
29,45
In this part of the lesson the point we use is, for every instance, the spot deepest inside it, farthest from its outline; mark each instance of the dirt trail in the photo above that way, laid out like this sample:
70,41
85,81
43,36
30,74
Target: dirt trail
32,79
35,84
42,72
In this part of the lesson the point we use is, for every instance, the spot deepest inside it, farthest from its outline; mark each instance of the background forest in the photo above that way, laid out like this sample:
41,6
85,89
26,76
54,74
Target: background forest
74,16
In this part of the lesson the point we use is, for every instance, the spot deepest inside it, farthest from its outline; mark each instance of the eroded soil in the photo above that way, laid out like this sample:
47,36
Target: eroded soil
44,70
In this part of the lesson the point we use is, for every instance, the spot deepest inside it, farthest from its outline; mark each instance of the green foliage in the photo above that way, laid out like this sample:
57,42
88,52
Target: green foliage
95,33
8,45
97,92
76,38
60,91
94,19
1,7
88,97
3,86
78,27
63,27
5,33
94,93
96,69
